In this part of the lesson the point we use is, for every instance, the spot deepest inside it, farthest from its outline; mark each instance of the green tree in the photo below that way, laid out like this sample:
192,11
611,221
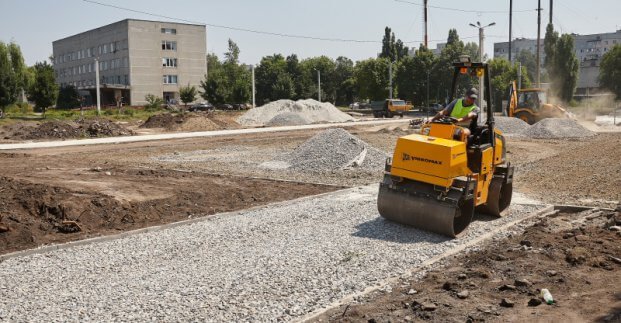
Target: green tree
442,71
68,97
549,48
566,67
232,55
188,93
344,80
44,90
153,102
13,74
372,78
502,73
227,81
213,86
392,48
529,61
610,71
411,77
327,69
272,80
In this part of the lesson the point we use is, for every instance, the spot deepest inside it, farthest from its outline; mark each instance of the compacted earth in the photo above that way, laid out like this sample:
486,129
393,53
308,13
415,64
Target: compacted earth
575,256
70,193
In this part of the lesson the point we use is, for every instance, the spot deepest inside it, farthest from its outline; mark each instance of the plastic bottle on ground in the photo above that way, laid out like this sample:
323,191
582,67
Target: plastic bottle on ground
547,297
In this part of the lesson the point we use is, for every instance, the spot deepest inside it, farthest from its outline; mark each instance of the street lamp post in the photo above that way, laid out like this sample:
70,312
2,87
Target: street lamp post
390,80
97,85
253,90
318,85
481,54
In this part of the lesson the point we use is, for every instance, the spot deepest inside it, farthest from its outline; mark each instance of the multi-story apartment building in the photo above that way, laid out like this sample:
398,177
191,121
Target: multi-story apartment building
589,50
136,58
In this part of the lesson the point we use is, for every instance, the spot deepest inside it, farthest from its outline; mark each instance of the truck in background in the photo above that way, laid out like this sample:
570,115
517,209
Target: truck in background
390,107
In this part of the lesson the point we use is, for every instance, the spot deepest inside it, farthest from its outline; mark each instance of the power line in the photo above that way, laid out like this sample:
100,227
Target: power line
251,30
466,10
257,31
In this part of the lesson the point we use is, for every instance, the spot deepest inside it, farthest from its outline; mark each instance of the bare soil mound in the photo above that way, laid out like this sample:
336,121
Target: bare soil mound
36,214
55,129
190,122
102,128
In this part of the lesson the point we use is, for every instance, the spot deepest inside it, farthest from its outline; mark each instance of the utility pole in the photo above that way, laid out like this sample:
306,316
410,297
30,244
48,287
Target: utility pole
253,90
426,29
551,5
538,43
97,85
390,80
318,85
510,26
481,54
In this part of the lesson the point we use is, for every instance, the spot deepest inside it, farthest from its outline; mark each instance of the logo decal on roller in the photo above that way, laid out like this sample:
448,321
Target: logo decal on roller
406,157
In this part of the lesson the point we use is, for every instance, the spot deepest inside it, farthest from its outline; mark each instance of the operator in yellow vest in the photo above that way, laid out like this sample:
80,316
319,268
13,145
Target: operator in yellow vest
464,110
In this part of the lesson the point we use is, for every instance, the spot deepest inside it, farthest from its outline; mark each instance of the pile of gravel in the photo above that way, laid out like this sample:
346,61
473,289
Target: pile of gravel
557,128
311,110
511,126
288,119
333,149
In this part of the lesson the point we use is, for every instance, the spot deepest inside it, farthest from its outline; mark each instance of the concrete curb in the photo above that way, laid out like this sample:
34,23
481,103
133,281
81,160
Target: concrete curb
182,135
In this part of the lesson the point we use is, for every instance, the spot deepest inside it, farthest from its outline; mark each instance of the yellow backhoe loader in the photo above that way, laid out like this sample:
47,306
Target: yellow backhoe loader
531,105
436,180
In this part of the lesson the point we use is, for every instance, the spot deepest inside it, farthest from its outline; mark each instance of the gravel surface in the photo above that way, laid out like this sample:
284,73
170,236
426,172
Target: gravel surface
288,119
556,128
511,126
333,149
311,110
274,263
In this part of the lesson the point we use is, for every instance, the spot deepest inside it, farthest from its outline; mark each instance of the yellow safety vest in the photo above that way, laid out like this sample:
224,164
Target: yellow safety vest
460,111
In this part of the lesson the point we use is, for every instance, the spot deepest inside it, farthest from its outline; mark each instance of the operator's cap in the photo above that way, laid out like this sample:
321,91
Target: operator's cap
473,93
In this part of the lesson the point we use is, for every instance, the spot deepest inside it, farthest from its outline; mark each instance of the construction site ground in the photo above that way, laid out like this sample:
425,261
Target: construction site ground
65,194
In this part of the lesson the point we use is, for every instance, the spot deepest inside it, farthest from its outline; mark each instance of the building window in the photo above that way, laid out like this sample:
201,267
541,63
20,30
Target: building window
170,79
125,79
169,62
169,45
169,31
125,62
105,48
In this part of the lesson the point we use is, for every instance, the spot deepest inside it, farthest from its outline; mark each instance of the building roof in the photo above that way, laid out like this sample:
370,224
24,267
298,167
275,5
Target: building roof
125,21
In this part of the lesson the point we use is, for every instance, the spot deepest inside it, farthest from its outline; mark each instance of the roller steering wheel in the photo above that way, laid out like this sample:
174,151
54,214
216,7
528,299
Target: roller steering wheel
447,120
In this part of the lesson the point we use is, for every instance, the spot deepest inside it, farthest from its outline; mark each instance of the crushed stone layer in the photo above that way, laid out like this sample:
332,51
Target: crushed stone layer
274,263
288,112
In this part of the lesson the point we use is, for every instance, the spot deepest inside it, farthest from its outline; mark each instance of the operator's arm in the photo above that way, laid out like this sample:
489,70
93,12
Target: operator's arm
472,115
446,111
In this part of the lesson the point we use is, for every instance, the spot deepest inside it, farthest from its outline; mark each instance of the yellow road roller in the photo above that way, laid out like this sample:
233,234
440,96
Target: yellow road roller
437,179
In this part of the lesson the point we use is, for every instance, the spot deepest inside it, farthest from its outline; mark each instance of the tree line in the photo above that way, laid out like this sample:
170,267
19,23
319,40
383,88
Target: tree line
421,77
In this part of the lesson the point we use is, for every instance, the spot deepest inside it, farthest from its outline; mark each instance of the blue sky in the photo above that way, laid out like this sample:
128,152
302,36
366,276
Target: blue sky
35,24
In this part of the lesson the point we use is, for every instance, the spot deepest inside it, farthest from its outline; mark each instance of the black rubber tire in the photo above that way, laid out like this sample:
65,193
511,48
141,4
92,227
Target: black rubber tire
525,116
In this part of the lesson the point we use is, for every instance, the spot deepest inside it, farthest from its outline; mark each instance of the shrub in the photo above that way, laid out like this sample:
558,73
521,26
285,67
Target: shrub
153,102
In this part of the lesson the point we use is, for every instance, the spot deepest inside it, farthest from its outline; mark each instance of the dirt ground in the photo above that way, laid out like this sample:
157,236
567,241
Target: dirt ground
71,193
50,129
574,256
